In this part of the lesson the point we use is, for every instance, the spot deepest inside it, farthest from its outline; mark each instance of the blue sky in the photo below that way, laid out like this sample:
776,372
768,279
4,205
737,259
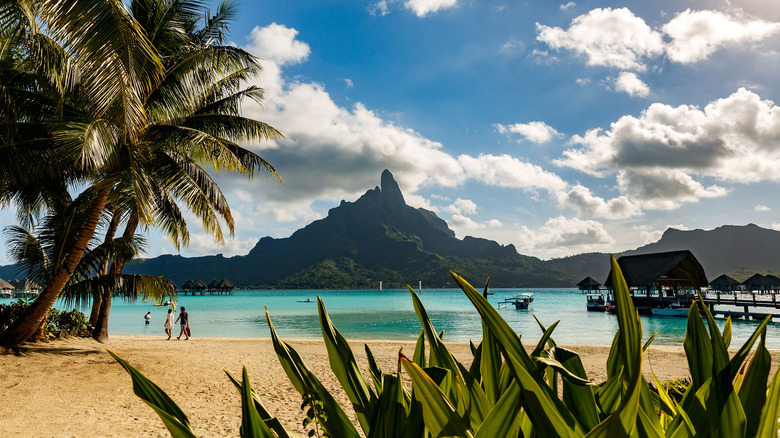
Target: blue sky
561,128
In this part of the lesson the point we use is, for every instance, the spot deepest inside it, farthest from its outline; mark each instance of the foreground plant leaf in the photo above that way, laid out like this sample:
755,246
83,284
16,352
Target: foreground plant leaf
439,415
345,368
306,383
170,413
252,426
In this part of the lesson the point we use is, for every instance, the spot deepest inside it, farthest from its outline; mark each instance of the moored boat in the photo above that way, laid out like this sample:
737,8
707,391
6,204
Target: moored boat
521,301
596,302
674,309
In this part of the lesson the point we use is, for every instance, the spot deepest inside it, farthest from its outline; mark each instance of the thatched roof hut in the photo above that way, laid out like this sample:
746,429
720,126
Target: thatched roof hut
4,285
187,285
724,283
672,269
226,285
198,285
589,284
214,284
762,282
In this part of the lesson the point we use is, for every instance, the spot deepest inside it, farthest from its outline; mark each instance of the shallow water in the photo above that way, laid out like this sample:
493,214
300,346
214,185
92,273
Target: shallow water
367,314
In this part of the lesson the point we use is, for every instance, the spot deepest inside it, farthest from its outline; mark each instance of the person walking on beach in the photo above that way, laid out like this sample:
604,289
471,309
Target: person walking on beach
185,324
169,323
147,318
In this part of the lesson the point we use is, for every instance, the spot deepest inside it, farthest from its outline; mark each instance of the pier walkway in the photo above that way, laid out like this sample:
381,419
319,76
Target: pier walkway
747,300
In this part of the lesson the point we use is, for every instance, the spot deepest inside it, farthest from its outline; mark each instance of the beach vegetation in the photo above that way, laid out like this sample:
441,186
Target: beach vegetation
508,391
131,106
72,322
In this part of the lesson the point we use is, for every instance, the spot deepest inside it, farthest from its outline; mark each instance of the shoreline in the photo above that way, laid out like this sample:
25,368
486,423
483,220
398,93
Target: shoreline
72,387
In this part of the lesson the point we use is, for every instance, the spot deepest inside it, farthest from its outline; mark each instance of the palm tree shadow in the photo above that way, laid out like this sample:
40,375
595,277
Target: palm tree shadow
48,349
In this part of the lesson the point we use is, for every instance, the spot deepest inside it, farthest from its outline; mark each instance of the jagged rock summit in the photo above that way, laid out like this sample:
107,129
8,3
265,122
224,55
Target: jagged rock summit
377,237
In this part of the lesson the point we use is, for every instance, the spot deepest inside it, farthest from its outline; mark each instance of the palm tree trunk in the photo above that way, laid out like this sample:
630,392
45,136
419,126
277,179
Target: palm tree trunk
21,329
97,297
100,333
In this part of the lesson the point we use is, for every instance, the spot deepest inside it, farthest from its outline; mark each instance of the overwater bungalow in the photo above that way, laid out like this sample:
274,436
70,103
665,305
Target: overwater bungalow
662,278
724,283
186,286
759,282
214,285
198,285
225,285
6,289
589,284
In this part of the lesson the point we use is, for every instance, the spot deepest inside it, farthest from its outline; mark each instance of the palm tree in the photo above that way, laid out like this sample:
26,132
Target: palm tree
37,253
173,108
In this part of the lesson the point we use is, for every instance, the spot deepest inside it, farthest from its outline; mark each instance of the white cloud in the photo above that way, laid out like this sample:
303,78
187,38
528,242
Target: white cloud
462,206
561,236
649,235
630,83
586,204
582,81
204,244
536,132
776,226
348,82
695,35
507,171
662,156
423,8
567,6
606,37
277,43
760,208
618,38
380,8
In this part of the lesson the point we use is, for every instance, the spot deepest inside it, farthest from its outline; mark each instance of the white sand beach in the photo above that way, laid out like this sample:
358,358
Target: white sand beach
72,387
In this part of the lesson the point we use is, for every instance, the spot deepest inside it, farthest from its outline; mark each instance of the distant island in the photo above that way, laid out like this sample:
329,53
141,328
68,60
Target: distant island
381,238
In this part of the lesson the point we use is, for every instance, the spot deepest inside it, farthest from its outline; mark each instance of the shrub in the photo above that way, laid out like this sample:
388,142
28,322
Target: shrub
74,321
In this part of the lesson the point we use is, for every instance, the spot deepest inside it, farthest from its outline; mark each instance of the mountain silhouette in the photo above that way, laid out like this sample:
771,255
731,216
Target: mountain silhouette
376,238
379,237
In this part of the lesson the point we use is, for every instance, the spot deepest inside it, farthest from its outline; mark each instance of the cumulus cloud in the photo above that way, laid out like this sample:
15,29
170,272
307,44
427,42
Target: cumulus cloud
629,82
535,132
508,171
586,204
462,206
695,35
606,37
760,208
561,236
277,43
662,156
618,38
422,8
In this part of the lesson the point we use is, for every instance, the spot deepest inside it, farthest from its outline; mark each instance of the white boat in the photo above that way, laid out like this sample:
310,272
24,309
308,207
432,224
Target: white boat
596,302
521,301
674,309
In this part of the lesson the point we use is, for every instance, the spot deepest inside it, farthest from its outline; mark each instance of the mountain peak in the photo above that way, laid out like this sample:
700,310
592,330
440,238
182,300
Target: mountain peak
391,193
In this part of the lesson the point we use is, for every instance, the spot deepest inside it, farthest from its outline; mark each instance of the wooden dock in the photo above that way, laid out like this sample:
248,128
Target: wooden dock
746,300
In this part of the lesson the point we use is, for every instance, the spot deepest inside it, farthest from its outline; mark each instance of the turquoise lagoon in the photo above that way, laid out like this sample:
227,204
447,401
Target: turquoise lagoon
369,314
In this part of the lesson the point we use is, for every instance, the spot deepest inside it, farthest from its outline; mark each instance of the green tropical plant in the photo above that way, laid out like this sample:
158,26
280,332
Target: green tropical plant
509,392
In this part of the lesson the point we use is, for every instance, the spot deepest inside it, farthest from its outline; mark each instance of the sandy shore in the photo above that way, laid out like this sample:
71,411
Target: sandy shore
72,387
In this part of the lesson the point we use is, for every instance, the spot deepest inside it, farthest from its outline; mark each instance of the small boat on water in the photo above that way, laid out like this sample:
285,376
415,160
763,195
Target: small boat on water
596,302
521,301
674,309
